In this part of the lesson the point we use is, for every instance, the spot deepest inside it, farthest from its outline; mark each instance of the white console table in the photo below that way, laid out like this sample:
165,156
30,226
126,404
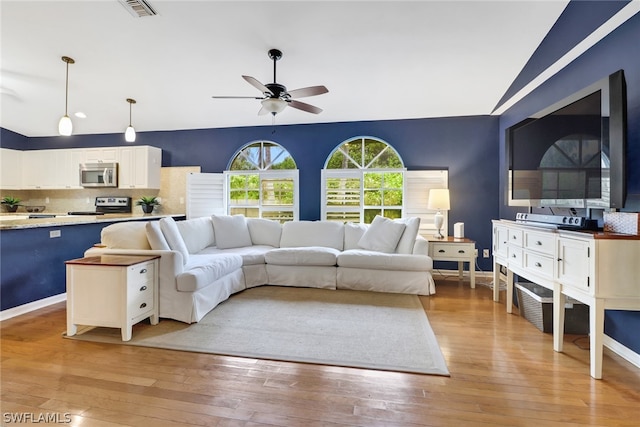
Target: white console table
598,269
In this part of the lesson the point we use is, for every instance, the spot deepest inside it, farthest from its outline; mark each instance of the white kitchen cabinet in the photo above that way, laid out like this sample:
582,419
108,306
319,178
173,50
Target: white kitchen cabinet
69,171
36,171
101,155
51,169
139,167
11,169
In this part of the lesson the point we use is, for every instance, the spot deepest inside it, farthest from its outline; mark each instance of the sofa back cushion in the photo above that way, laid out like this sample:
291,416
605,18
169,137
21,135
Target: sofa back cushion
264,231
327,234
408,239
125,235
231,231
174,238
155,237
382,235
353,232
197,233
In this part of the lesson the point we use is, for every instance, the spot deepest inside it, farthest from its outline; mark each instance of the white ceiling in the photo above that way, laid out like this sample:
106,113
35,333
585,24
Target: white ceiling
379,60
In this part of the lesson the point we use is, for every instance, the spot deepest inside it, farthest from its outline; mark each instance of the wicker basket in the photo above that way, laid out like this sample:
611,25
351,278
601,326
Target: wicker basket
536,305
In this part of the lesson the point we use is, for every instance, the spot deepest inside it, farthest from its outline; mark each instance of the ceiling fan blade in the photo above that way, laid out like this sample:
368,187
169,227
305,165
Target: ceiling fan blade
308,91
255,83
304,107
237,97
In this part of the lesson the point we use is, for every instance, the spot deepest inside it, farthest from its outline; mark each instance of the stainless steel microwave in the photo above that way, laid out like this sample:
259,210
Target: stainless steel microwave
99,174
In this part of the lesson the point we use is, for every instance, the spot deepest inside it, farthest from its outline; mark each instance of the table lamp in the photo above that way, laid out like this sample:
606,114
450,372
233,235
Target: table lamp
439,200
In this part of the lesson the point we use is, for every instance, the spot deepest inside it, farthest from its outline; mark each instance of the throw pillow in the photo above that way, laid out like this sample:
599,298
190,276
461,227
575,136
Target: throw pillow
353,232
174,238
231,231
155,237
408,239
382,235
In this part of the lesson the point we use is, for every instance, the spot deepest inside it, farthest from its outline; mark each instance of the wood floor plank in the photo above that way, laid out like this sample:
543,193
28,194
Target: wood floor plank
503,372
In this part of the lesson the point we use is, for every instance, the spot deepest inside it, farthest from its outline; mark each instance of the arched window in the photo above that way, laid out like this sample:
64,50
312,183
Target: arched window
262,182
363,177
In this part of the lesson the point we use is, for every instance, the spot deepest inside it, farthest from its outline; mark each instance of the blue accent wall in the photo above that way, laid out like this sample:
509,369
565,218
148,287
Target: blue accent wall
619,50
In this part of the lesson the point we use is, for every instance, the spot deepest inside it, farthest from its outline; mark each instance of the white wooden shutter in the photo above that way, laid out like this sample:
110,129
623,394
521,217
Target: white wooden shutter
206,194
417,184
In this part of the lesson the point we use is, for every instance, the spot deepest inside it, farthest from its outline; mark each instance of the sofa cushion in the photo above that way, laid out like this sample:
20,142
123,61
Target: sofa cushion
312,233
359,258
197,233
312,255
125,235
203,270
251,255
174,238
231,231
382,235
353,232
155,237
408,239
264,231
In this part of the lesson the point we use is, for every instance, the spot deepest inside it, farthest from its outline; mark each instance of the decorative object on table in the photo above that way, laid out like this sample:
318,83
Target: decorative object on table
439,200
35,209
458,230
148,203
11,203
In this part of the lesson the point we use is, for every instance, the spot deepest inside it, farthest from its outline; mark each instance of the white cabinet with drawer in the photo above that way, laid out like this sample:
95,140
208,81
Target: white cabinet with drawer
115,291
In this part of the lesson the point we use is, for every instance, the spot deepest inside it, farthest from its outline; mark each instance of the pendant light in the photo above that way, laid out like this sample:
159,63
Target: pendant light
130,133
65,127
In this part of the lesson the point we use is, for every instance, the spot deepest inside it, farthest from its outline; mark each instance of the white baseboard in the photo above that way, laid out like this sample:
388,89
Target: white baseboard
32,306
622,351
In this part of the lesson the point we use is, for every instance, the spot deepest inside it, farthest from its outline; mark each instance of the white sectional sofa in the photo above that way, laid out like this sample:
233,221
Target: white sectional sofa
205,260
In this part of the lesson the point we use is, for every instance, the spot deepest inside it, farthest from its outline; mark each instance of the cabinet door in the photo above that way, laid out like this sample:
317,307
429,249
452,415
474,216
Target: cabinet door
37,167
139,167
101,155
70,166
500,241
574,264
10,169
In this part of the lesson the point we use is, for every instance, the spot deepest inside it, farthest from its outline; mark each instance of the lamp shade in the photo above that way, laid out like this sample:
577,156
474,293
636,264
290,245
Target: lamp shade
439,199
274,105
130,134
65,126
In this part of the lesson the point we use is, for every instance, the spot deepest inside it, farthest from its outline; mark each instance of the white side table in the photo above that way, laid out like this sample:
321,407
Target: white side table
455,249
115,291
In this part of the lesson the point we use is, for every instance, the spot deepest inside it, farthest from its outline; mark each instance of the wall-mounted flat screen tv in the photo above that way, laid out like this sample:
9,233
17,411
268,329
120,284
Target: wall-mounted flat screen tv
571,154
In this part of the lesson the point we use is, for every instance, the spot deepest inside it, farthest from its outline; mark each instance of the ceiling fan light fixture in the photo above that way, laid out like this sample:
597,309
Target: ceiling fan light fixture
65,126
130,132
274,105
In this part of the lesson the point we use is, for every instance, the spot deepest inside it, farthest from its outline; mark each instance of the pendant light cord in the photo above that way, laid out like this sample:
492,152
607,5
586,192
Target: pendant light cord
66,93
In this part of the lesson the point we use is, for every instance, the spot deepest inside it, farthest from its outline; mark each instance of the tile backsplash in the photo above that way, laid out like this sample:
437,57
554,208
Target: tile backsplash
173,184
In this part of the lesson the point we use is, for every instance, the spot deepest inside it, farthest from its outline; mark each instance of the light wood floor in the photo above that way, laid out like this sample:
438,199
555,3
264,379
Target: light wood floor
503,372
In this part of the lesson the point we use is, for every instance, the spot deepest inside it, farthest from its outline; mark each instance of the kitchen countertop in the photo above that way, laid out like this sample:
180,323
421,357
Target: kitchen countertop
64,219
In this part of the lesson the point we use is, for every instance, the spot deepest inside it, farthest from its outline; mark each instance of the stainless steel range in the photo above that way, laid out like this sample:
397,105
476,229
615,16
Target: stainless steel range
108,204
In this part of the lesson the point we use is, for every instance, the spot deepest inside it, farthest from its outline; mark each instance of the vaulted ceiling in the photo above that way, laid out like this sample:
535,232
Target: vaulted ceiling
379,60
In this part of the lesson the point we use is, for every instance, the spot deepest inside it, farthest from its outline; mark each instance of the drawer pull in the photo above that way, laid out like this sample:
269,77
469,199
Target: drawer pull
538,264
441,251
144,270
143,305
461,251
142,289
539,243
513,256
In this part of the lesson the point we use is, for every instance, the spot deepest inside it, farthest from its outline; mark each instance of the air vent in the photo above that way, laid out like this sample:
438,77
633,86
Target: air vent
138,8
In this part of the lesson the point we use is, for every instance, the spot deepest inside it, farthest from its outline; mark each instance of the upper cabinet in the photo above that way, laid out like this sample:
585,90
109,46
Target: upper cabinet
10,169
139,167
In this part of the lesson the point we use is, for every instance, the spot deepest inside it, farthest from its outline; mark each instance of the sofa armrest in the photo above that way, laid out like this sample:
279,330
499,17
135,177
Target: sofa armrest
170,264
421,246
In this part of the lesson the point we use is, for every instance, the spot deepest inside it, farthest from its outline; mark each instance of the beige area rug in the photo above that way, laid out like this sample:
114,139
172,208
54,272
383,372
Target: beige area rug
333,327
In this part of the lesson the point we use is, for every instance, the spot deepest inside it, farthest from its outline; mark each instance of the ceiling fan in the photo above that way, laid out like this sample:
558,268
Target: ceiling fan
275,97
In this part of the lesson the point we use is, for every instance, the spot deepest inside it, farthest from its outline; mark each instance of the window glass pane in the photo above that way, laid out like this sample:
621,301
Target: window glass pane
280,216
370,214
354,150
343,192
372,198
392,198
371,149
393,179
277,192
248,212
393,213
372,180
